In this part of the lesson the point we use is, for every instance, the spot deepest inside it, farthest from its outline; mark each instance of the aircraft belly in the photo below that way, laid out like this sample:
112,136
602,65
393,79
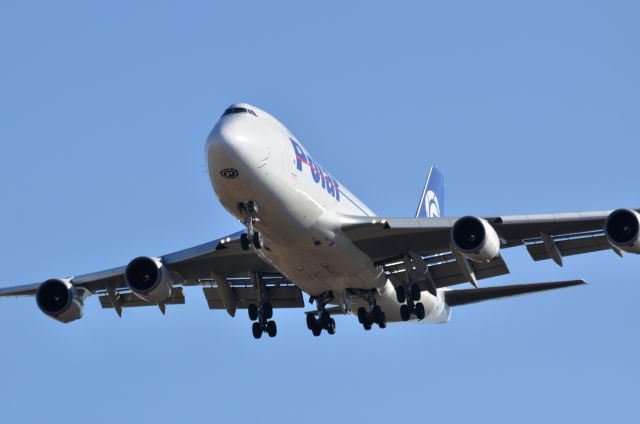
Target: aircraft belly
321,268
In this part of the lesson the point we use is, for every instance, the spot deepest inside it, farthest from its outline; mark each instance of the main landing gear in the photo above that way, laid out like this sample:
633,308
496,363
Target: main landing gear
324,320
410,293
249,211
375,315
262,312
262,315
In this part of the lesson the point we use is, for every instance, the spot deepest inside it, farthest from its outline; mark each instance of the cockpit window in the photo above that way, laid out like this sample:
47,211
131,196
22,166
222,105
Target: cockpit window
233,110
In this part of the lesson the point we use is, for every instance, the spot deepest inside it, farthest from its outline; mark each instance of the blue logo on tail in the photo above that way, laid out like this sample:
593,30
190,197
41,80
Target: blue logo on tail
432,200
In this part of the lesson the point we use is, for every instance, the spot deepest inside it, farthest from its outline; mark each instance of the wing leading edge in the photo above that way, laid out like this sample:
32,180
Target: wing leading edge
546,236
386,240
194,266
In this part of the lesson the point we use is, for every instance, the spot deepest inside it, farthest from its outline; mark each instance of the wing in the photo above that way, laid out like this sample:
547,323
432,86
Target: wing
546,236
220,265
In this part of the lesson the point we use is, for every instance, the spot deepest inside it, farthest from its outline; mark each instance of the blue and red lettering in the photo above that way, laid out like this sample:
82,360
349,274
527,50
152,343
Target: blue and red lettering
317,173
336,187
300,156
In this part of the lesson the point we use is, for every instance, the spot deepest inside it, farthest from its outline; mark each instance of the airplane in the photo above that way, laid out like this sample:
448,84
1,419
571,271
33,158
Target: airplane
306,233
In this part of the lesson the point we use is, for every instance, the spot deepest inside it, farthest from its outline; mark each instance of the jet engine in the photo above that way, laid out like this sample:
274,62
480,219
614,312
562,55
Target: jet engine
475,238
622,229
149,279
60,300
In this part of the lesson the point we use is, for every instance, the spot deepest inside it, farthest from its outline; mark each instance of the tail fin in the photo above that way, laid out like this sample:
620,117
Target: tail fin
432,200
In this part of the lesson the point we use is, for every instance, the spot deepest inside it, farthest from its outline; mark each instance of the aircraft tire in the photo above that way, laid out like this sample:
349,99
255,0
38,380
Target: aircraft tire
244,241
401,295
256,238
376,314
311,321
405,313
331,327
256,330
362,315
267,311
272,328
383,320
253,312
324,319
415,292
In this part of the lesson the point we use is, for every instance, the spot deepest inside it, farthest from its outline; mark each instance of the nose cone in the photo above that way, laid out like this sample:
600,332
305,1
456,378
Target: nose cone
235,146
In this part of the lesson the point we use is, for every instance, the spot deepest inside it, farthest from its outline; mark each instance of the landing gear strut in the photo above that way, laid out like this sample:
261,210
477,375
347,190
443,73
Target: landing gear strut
375,314
262,312
249,211
324,320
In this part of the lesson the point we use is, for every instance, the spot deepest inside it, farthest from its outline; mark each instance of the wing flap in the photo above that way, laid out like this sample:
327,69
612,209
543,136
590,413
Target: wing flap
279,297
450,274
574,244
224,256
130,300
467,296
519,227
445,271
387,239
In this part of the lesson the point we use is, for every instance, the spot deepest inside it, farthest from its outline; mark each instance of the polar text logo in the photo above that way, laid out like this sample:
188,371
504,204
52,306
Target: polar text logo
319,175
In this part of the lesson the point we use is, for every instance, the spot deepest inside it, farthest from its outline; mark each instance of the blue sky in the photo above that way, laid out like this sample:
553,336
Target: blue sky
104,108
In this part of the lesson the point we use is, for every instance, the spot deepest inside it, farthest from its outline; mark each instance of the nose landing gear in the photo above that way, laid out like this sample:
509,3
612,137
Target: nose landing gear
249,211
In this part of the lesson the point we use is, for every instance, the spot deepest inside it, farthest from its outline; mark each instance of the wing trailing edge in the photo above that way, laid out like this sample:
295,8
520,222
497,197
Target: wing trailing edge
467,296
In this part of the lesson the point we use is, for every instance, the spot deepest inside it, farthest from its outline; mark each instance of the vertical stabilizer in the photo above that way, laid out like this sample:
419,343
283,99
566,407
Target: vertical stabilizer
432,200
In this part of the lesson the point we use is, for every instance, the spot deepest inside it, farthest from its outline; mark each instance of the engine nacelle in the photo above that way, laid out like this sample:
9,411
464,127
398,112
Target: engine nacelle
475,238
60,300
149,279
623,229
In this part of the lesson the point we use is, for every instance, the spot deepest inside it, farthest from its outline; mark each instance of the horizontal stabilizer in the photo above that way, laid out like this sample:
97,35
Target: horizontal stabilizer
466,296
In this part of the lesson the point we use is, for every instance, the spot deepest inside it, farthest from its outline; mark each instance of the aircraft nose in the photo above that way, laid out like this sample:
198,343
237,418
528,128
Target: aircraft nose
235,143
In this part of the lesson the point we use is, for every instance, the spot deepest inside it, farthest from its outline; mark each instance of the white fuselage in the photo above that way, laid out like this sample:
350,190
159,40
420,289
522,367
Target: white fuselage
301,210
